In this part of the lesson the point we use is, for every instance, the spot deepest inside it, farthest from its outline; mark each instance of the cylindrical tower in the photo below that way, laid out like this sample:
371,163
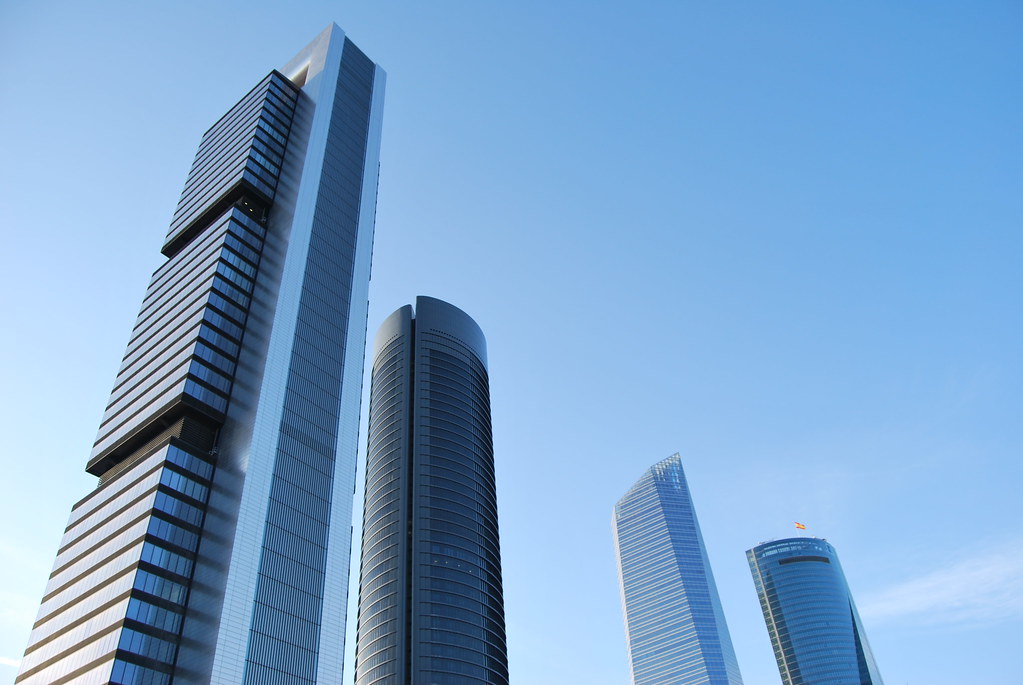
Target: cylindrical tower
816,633
431,605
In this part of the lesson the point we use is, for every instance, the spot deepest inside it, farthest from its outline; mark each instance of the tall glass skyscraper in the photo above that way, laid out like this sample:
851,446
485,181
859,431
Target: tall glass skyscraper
216,545
816,633
674,626
431,605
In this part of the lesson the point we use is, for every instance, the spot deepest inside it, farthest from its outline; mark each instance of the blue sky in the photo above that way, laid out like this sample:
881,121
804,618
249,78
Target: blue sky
782,239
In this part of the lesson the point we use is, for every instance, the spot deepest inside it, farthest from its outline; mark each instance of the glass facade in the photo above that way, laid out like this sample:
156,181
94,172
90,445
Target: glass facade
227,450
816,633
674,627
431,607
183,352
119,587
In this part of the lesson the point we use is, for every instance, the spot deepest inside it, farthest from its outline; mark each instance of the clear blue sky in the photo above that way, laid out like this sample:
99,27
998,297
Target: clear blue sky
781,238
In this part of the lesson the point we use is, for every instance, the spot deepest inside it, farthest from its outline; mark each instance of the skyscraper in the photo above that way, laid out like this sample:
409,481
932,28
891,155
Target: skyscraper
674,626
431,606
216,545
816,633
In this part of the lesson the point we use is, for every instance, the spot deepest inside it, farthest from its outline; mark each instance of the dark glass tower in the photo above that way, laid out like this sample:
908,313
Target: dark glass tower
431,608
216,545
674,626
816,633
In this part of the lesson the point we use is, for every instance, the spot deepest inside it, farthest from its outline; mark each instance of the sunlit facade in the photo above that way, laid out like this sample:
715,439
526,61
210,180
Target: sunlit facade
815,630
216,546
431,604
674,626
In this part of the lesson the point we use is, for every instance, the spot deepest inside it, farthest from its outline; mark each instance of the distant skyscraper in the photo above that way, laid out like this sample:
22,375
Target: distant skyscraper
674,626
817,635
216,545
431,605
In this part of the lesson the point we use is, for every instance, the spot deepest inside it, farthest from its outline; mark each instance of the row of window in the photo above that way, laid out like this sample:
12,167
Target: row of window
212,179
226,127
274,133
229,327
218,361
255,163
125,673
179,509
159,374
227,307
444,396
254,227
273,169
283,88
221,144
221,343
184,485
456,489
437,665
158,586
152,615
147,646
247,222
176,522
210,377
180,269
167,560
280,119
462,464
206,396
240,263
223,284
172,534
225,344
200,468
236,260
442,501
165,340
261,143
462,415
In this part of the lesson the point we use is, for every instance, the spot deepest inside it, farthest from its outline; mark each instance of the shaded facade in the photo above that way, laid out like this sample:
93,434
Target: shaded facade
431,607
216,545
815,630
674,625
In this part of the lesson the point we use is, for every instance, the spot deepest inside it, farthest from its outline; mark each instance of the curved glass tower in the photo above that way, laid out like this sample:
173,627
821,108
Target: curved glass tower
431,607
674,626
816,633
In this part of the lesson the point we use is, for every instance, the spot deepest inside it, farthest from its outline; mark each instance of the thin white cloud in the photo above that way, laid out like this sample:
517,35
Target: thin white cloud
978,589
7,661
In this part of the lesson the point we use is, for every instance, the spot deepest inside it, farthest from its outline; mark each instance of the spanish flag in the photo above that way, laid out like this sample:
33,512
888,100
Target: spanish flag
800,526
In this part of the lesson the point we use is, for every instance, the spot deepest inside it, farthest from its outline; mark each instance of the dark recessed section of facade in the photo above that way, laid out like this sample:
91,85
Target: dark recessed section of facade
795,560
179,420
242,194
